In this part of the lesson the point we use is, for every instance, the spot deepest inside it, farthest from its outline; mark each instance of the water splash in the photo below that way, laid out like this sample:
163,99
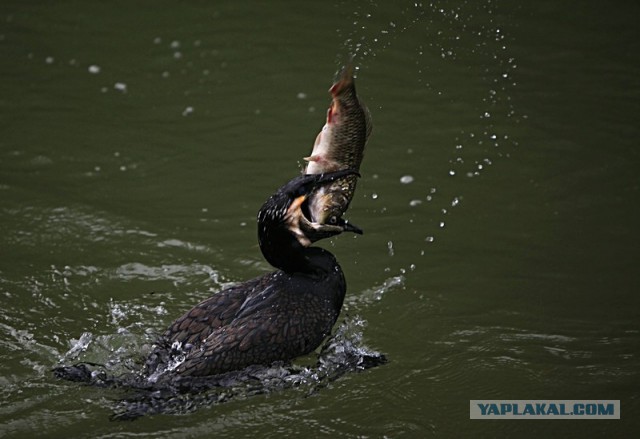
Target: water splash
376,293
343,353
78,346
471,43
116,359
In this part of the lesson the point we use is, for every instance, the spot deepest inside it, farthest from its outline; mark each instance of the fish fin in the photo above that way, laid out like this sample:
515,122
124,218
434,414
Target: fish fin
318,139
367,119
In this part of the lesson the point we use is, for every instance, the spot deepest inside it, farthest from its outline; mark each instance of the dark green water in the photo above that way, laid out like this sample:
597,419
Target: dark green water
138,142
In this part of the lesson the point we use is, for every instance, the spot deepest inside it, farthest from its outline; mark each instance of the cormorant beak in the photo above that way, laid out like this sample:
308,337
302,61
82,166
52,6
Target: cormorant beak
348,227
295,220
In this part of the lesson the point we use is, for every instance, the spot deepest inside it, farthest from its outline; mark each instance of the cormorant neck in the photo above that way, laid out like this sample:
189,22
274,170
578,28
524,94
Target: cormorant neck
279,248
282,250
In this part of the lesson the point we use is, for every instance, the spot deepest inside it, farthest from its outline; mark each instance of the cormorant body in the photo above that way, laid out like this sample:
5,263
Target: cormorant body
278,316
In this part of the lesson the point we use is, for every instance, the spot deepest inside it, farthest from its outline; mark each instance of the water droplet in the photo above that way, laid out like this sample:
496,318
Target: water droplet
441,224
301,95
94,69
187,111
374,196
414,203
452,172
429,239
120,86
390,248
406,179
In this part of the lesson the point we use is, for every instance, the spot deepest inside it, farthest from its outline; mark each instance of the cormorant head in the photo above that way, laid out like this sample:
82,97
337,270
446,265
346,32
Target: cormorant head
285,231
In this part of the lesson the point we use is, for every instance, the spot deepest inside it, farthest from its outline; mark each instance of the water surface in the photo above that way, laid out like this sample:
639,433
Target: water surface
499,202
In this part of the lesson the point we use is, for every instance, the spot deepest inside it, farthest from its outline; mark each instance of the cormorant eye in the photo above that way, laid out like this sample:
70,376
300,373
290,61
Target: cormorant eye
333,220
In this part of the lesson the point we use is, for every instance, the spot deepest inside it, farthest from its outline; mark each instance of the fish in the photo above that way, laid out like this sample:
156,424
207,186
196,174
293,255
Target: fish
339,146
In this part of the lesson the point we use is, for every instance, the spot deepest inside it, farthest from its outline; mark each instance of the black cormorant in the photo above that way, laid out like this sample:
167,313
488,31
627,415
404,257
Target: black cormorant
278,316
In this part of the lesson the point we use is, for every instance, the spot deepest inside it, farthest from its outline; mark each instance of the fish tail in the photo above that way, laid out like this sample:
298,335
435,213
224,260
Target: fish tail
344,79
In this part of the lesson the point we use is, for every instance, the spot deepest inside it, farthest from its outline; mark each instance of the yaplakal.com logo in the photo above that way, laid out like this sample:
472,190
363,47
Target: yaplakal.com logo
540,409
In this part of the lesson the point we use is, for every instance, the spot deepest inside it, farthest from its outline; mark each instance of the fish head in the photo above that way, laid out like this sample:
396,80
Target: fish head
286,215
323,210
283,226
315,231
